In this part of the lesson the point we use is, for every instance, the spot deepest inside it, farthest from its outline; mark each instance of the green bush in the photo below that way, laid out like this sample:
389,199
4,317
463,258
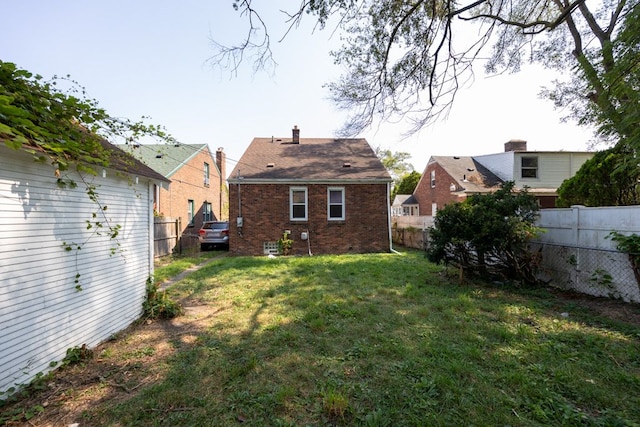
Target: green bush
158,305
488,235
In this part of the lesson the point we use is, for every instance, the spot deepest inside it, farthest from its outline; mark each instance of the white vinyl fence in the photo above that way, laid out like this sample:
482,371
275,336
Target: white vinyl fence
578,254
577,251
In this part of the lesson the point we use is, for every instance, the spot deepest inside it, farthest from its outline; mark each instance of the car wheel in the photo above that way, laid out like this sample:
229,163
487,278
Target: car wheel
204,247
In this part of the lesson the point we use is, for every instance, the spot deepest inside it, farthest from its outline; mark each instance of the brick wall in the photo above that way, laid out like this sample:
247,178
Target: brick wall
187,183
441,194
265,212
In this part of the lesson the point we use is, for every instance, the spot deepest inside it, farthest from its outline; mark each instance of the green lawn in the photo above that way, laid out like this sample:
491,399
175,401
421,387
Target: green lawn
171,265
383,340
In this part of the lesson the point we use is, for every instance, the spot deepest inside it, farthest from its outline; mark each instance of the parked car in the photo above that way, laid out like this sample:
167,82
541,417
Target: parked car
214,233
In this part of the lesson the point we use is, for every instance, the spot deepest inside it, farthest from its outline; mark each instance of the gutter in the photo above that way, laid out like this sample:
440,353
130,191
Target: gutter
389,220
307,181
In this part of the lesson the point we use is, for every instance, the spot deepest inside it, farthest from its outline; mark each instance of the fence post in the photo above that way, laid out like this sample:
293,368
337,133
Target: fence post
179,235
575,224
575,239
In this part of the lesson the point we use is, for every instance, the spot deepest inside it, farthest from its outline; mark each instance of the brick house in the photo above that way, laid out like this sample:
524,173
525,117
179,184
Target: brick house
332,195
197,191
449,179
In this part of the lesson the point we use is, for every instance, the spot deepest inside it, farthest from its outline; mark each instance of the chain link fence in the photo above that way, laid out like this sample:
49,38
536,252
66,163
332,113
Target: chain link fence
597,272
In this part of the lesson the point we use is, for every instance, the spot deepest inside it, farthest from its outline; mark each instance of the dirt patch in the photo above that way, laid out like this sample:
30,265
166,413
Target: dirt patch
115,371
609,308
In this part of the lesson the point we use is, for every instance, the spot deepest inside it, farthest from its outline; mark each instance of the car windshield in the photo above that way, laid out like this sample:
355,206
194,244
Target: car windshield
216,225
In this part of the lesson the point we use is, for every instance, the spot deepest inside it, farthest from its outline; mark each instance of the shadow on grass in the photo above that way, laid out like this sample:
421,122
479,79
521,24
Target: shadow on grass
378,340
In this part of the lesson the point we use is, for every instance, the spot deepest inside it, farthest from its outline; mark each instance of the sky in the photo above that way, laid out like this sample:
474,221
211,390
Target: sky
150,58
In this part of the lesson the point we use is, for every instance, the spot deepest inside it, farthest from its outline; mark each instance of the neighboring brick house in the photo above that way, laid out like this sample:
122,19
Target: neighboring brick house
332,195
197,191
448,179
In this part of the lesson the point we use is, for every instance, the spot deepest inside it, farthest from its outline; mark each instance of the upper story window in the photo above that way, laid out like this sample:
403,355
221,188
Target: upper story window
206,174
335,205
433,179
298,203
529,167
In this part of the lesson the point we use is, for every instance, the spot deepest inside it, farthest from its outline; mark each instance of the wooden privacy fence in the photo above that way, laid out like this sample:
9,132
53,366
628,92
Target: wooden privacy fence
166,235
411,231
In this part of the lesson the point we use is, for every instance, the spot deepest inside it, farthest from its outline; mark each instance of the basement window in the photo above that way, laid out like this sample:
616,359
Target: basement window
270,248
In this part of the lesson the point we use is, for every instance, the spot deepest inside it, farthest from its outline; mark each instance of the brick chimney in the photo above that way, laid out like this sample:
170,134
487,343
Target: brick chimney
296,135
515,145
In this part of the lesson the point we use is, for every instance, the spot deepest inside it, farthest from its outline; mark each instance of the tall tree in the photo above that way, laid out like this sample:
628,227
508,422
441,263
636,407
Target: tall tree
407,58
396,163
407,184
601,181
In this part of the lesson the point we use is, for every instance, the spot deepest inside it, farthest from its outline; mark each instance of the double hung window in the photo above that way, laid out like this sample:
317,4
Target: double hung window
206,212
298,203
190,212
335,205
529,167
206,174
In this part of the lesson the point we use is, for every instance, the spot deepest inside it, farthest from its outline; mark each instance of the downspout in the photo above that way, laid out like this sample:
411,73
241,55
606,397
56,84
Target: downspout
389,219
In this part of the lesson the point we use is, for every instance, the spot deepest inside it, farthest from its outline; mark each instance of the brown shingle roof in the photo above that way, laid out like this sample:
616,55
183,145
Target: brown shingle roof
312,160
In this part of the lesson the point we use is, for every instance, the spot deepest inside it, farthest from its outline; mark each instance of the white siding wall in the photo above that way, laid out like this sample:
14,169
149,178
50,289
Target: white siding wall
41,312
553,168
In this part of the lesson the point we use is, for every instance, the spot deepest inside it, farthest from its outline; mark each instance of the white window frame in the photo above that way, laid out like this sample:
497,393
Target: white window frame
206,173
191,214
305,204
432,176
342,204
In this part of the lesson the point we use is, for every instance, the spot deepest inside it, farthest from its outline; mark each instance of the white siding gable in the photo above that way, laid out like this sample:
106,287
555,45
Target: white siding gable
41,312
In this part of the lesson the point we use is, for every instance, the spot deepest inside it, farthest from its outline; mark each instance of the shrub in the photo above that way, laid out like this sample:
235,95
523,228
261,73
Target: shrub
158,305
488,235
